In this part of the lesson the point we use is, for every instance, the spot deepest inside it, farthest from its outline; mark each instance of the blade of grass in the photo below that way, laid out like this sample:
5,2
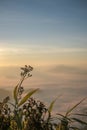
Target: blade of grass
52,104
64,116
80,114
26,97
74,107
15,93
80,121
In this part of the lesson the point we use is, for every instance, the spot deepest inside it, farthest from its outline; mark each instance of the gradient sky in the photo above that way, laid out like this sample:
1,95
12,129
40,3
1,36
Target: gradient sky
37,29
50,35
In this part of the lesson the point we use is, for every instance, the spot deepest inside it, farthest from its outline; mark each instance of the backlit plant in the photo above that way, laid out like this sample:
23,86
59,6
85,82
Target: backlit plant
31,114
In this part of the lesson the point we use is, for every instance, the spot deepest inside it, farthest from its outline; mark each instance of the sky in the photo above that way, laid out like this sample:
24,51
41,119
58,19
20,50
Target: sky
51,36
43,32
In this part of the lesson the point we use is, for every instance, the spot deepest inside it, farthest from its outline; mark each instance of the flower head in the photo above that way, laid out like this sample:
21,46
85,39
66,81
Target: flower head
26,70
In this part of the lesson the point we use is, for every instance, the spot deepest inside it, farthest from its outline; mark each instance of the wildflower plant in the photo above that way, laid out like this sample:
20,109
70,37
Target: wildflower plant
27,113
19,101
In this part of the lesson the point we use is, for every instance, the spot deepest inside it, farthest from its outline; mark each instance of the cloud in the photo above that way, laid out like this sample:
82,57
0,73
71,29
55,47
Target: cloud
9,72
72,90
46,77
39,49
69,96
68,70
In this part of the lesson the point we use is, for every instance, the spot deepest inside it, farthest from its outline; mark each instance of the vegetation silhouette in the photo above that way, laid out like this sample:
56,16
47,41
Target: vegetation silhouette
31,114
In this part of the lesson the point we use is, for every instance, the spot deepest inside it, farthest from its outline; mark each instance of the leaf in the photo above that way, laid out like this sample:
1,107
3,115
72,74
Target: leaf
6,99
80,121
74,128
80,114
51,105
64,117
18,120
74,107
26,97
15,93
58,128
61,115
